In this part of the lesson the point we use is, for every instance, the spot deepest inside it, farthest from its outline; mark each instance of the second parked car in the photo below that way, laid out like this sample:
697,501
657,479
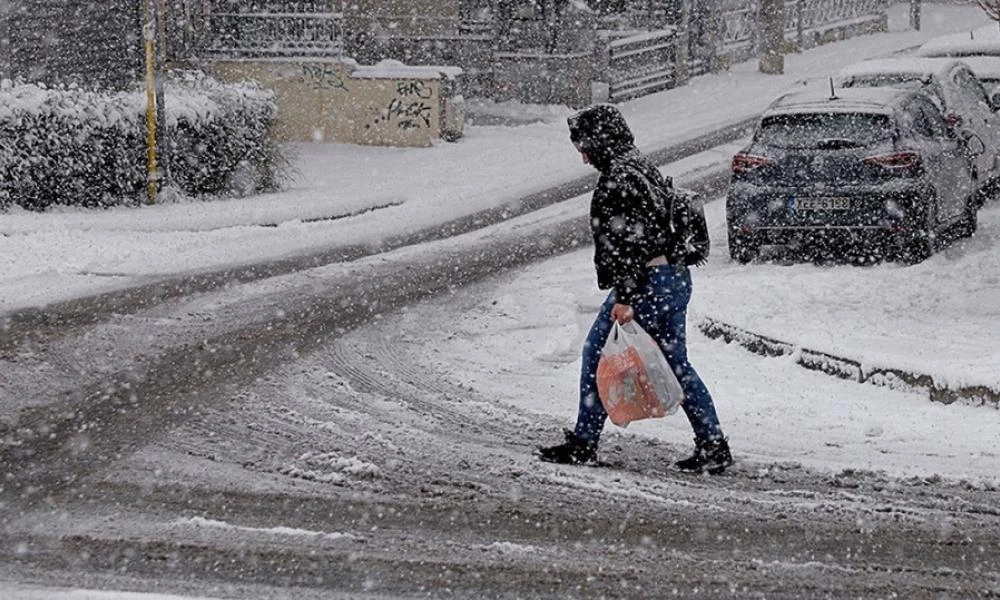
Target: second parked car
875,168
978,48
956,90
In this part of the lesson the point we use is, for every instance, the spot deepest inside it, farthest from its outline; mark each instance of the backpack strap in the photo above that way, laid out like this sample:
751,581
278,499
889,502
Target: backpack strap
653,192
693,242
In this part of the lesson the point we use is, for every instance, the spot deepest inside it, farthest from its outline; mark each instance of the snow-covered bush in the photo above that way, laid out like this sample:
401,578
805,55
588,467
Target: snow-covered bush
219,135
69,146
76,147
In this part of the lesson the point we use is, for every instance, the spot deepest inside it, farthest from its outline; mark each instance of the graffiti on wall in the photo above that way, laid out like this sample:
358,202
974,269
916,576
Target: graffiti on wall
322,76
412,105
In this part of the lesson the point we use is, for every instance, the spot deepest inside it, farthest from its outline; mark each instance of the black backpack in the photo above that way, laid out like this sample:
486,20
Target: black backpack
683,215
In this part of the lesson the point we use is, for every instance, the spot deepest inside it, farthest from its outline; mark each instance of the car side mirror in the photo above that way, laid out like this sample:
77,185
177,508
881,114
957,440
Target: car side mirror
973,144
995,100
952,120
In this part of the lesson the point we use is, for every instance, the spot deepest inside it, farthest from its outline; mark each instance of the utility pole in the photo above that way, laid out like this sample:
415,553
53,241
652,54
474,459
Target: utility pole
163,142
771,25
149,45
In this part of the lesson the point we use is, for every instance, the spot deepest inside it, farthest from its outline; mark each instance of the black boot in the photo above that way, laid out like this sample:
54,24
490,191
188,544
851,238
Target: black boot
709,456
574,451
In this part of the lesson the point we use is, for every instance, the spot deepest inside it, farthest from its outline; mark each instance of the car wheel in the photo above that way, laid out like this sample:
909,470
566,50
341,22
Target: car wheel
982,195
743,248
970,221
921,240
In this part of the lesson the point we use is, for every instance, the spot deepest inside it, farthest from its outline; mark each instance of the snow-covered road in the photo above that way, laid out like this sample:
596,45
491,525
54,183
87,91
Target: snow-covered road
365,429
392,457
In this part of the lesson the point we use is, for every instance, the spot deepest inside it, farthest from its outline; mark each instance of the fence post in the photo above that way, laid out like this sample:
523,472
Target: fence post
771,24
600,79
502,24
915,14
712,35
800,26
682,48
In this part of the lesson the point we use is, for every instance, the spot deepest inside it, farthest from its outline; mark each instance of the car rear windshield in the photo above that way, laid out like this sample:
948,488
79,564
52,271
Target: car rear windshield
816,130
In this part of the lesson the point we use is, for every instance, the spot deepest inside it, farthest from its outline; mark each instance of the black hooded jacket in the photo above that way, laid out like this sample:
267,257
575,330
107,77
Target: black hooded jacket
625,217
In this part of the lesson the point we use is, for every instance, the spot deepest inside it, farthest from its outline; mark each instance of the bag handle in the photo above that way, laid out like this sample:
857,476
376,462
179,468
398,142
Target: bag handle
616,331
619,330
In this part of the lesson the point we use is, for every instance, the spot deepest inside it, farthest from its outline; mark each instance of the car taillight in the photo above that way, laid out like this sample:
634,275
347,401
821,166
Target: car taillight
745,163
953,120
897,161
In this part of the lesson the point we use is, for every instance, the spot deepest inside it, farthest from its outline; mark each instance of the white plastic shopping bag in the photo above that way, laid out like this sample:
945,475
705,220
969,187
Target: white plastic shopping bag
634,380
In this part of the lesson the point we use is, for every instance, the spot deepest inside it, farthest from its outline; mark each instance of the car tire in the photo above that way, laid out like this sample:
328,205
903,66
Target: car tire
985,194
743,248
921,241
967,226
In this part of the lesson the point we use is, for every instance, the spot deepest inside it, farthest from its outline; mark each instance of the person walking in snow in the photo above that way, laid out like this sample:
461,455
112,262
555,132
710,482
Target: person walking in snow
645,267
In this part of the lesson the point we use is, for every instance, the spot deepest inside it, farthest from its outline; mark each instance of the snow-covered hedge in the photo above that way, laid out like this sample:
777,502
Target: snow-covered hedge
85,148
219,136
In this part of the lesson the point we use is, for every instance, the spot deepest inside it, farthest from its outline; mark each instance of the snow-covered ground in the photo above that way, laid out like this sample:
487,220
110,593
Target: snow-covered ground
68,253
26,592
940,318
518,343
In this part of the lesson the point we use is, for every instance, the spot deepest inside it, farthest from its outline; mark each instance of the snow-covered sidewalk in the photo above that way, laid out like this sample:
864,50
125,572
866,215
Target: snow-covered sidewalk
70,253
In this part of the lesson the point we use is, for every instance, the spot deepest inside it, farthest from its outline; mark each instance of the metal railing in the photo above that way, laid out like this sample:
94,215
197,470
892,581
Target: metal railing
739,17
817,14
642,64
635,64
274,34
739,22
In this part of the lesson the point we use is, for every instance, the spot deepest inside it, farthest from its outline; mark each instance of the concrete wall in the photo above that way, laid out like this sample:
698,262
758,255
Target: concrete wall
331,100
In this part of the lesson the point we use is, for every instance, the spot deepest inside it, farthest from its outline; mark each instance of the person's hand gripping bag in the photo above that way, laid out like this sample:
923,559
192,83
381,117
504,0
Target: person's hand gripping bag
634,380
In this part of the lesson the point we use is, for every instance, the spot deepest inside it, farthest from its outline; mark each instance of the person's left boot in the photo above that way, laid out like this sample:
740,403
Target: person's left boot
710,457
574,451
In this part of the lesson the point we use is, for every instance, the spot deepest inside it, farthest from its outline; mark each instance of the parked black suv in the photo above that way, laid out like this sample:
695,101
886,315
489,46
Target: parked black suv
875,169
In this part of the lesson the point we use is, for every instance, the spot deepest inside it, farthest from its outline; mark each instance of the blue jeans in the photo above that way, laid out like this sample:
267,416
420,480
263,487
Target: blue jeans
661,310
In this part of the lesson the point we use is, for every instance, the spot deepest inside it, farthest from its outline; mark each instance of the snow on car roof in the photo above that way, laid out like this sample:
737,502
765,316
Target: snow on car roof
984,40
922,67
812,99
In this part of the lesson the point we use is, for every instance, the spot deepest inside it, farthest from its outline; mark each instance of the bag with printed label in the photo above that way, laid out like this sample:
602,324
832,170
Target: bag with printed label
634,380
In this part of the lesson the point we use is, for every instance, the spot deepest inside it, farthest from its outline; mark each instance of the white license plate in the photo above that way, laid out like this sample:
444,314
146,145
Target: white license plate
830,203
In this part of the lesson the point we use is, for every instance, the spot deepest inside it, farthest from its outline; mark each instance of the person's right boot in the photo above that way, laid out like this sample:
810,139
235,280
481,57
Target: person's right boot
574,451
710,457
